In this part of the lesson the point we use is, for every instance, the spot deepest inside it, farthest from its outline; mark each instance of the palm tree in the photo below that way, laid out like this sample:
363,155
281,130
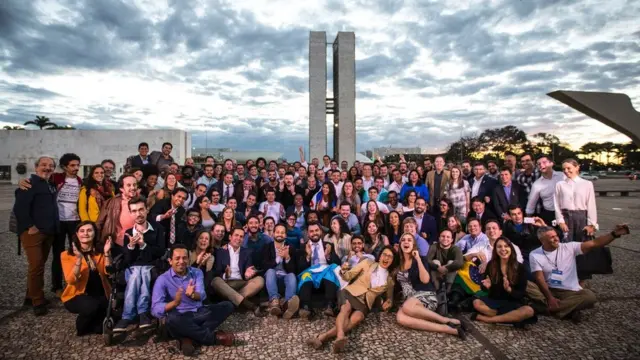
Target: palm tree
13,128
42,122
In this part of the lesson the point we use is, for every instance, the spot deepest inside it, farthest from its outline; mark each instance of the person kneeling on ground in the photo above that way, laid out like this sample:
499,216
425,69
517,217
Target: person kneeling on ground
145,247
506,283
235,277
279,260
368,281
419,309
554,269
178,296
84,271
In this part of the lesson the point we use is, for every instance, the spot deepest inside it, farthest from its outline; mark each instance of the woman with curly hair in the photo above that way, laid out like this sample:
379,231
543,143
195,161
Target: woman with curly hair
95,191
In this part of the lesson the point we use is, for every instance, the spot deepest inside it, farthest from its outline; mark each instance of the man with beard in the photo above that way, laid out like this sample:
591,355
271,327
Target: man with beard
427,165
316,253
249,208
335,180
145,246
492,166
272,183
170,214
115,216
466,170
162,159
526,178
109,167
36,213
207,178
235,277
349,218
544,190
287,190
225,188
280,266
311,189
255,241
178,296
425,223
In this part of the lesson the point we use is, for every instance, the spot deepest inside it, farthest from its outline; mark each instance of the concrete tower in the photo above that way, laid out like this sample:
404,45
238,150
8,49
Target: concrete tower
342,105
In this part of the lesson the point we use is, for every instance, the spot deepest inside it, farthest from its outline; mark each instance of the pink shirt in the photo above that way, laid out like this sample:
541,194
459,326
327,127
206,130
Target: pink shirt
126,221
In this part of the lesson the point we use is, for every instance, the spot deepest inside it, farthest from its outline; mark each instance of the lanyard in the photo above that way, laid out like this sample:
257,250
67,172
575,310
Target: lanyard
555,265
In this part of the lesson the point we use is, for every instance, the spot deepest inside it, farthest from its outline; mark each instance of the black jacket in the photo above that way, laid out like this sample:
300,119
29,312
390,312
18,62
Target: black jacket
527,239
414,276
301,258
429,226
154,249
269,258
222,259
499,199
37,206
487,186
285,197
518,290
185,236
486,216
160,208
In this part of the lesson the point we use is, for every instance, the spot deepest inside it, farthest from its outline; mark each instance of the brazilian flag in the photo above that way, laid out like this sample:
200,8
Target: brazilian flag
470,278
317,273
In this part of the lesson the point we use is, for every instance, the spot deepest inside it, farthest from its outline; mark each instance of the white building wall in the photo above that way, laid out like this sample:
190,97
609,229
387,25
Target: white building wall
93,146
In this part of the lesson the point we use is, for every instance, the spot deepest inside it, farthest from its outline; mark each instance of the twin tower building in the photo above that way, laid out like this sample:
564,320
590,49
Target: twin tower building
343,103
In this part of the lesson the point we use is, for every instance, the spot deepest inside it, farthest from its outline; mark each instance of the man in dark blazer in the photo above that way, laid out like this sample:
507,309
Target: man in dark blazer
170,214
279,261
505,194
138,161
234,276
480,211
315,253
226,188
426,224
487,183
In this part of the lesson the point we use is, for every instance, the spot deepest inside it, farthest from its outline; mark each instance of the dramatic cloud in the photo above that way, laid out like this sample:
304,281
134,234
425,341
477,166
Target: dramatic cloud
234,73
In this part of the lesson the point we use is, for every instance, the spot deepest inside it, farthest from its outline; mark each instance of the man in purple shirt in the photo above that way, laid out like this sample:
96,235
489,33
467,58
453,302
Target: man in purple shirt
178,296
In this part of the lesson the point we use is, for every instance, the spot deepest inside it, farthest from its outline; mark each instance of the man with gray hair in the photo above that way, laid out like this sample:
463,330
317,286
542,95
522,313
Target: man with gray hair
554,268
36,211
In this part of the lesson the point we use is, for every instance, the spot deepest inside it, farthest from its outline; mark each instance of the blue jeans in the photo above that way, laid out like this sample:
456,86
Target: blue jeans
272,279
137,295
199,326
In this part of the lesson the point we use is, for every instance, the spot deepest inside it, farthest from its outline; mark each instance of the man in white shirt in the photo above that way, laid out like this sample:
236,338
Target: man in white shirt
271,207
544,189
367,177
554,268
337,184
473,238
235,277
397,183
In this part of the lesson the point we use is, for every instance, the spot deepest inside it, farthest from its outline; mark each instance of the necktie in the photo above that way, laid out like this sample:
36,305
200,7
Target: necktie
226,194
172,230
315,259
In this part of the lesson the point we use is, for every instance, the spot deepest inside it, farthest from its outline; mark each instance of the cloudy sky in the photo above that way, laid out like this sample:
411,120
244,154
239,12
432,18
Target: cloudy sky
426,70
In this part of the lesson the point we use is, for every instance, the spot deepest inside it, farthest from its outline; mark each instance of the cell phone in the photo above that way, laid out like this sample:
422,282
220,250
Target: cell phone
529,220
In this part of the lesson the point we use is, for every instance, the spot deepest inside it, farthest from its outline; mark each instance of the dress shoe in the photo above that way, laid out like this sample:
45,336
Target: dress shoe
248,304
186,345
292,307
225,338
40,310
274,307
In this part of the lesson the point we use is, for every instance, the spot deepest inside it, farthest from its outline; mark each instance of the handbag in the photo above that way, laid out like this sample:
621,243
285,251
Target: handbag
596,261
441,295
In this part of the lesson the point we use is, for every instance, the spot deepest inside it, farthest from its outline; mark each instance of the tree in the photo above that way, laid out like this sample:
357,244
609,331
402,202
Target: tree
468,147
42,122
68,127
591,149
13,128
500,140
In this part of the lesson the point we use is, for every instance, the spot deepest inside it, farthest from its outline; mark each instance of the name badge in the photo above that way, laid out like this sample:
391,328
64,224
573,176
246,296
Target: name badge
556,277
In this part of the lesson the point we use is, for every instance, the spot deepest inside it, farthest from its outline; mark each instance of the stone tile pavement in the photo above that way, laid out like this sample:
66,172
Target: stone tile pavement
607,332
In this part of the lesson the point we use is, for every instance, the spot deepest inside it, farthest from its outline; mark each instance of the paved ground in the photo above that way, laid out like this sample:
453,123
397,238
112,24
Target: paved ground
608,332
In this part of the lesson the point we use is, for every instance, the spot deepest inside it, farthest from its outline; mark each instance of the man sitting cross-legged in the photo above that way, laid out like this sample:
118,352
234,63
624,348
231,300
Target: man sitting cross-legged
178,296
235,277
145,246
279,261
554,269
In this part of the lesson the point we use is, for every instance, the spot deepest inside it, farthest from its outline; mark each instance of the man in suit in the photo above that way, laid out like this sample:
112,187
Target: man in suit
226,188
481,184
505,194
436,182
235,277
140,160
278,259
480,211
316,253
169,213
425,224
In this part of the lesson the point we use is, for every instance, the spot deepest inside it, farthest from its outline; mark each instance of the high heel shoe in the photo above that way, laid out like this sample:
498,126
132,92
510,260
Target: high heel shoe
461,333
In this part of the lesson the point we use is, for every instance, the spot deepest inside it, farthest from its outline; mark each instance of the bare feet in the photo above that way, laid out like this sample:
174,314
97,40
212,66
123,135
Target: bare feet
314,342
339,345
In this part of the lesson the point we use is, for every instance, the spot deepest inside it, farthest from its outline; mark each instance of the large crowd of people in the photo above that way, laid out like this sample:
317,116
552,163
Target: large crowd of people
423,240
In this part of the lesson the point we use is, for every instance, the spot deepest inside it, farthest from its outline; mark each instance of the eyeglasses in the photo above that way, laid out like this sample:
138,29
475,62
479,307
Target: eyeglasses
383,255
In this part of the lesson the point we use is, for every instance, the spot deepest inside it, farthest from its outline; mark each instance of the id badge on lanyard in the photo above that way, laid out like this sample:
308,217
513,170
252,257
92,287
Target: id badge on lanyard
556,277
